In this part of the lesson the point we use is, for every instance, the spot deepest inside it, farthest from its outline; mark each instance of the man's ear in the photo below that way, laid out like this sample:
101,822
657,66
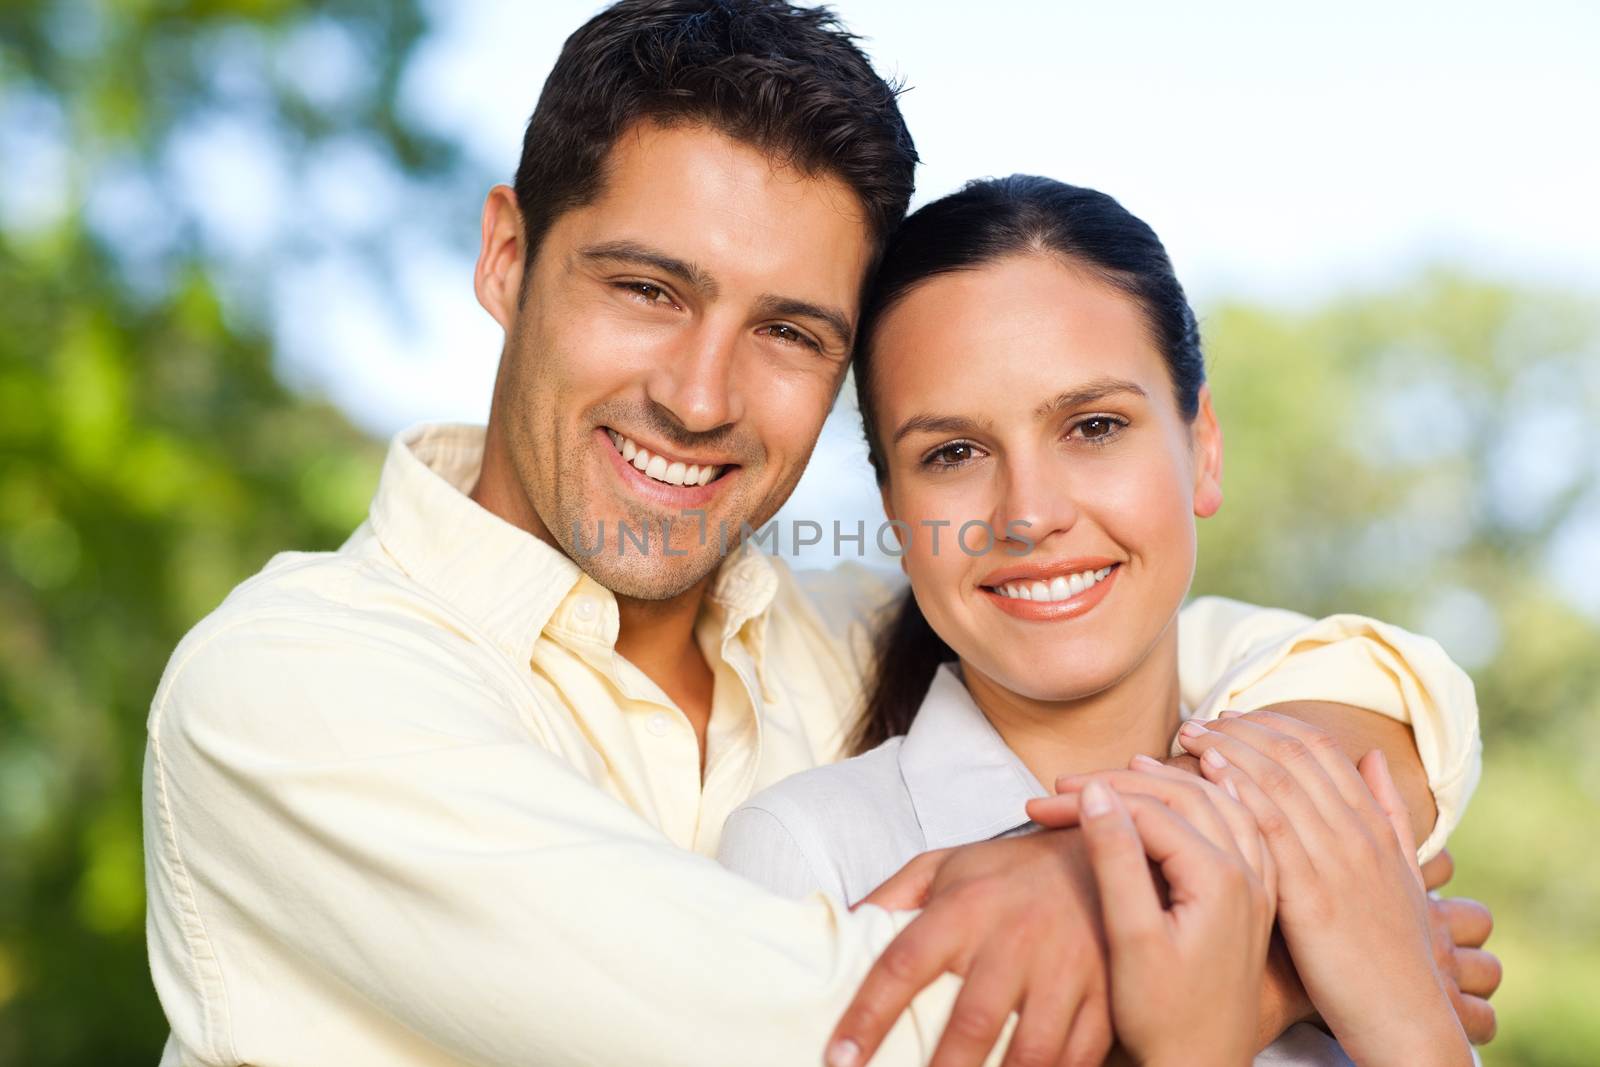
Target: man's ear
498,277
1207,435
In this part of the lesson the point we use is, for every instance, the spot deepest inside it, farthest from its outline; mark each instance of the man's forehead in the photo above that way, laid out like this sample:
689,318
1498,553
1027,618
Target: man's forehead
700,196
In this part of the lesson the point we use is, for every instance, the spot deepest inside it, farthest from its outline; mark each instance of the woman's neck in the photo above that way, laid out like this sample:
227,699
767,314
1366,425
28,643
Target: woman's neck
1137,714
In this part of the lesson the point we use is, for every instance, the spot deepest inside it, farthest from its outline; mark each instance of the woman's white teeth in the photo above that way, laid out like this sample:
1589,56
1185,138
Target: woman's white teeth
674,473
1061,587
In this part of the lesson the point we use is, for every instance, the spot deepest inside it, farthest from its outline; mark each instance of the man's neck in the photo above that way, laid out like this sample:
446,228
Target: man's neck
1137,714
658,637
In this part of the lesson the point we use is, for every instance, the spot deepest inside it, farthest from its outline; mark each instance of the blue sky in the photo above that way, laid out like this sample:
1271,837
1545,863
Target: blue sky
1281,151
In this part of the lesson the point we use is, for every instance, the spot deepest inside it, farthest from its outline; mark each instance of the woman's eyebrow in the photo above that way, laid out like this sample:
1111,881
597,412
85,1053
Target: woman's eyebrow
938,424
1087,393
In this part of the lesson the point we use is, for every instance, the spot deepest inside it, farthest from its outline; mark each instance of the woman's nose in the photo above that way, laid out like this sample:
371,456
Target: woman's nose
1036,501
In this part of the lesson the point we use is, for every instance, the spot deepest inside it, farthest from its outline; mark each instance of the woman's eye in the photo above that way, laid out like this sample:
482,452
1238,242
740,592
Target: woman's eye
952,455
1098,428
785,332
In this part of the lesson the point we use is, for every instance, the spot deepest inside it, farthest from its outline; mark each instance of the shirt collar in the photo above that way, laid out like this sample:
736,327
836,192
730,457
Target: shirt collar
509,582
965,783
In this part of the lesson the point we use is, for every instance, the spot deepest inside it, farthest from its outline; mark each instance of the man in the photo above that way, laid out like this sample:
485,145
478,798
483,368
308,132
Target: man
447,795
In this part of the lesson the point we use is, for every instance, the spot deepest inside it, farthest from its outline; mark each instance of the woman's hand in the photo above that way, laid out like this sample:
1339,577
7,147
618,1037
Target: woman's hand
1350,897
1185,978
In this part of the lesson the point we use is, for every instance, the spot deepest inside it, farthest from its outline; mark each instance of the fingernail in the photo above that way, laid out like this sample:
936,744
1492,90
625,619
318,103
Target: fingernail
1232,790
842,1053
1211,758
1067,781
1230,715
1096,800
1191,728
1141,760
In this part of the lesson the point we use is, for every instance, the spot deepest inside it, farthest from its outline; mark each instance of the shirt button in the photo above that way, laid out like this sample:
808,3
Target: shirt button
585,609
658,724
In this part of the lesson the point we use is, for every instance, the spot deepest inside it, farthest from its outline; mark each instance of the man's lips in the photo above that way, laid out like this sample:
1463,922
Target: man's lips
662,493
664,466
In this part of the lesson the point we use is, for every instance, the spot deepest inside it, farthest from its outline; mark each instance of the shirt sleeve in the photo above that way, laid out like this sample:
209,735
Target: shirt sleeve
462,885
1237,656
757,845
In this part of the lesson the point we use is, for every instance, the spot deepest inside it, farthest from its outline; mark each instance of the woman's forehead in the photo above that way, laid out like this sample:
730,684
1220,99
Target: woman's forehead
1018,326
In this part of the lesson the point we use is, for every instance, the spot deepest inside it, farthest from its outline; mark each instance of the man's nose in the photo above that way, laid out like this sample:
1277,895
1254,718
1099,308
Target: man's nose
697,383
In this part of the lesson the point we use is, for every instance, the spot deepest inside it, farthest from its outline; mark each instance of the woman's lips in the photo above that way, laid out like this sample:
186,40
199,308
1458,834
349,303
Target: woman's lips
1052,610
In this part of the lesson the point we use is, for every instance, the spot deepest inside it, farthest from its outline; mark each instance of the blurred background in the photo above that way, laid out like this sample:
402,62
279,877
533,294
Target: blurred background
236,241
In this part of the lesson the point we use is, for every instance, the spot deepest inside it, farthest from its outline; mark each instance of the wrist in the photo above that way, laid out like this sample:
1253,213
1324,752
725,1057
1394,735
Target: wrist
1284,1001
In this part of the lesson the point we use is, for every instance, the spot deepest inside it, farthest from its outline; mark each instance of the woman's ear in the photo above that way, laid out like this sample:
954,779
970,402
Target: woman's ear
498,276
1207,436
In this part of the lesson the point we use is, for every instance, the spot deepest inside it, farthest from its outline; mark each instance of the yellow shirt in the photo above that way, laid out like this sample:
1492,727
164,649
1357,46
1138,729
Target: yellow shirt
405,804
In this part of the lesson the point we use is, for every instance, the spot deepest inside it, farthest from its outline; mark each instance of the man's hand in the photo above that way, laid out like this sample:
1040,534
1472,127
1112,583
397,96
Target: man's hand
1018,918
1471,973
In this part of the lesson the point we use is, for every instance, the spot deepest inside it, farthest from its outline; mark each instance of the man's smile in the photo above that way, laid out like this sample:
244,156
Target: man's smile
665,478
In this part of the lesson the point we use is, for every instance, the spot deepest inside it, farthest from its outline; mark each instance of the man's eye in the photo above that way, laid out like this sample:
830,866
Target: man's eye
647,292
784,332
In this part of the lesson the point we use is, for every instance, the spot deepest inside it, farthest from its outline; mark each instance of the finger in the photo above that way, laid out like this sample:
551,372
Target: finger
920,953
1280,766
1117,850
1323,747
993,987
1089,1041
907,888
1470,923
1292,866
1055,812
1478,972
1049,1006
1187,794
1191,865
1439,870
1374,770
1477,1019
1241,824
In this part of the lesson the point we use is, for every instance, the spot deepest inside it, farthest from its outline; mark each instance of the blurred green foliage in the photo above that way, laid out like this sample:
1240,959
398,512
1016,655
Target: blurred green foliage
1416,454
1430,455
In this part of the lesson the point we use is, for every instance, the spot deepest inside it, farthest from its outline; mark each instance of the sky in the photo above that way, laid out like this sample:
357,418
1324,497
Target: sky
1282,151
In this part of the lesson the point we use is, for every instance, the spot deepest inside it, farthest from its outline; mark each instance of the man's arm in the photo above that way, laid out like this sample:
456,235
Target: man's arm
1363,682
1359,731
337,875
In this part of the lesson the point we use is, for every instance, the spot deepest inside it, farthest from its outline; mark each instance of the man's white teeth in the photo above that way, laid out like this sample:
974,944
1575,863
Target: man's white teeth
1061,587
674,473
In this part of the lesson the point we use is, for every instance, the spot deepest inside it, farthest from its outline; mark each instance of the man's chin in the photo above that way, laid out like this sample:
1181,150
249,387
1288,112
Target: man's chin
649,577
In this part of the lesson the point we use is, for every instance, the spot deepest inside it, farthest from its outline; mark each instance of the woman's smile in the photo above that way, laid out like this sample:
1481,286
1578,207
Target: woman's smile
1050,592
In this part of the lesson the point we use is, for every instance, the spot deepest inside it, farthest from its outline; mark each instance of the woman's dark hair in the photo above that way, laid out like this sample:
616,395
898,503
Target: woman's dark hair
788,80
986,221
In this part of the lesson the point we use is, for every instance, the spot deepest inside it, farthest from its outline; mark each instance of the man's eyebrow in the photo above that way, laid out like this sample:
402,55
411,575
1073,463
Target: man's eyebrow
1087,393
957,424
639,255
788,307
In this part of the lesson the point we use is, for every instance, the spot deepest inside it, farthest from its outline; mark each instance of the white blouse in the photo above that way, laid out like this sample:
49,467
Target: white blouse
951,780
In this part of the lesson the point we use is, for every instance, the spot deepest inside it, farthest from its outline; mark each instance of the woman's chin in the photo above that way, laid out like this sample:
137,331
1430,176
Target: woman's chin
1058,686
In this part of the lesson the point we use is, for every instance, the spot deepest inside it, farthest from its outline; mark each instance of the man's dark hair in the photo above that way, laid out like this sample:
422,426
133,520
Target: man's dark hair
788,80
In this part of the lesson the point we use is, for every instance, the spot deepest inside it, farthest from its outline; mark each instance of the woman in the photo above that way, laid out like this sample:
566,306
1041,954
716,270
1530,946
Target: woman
1032,386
